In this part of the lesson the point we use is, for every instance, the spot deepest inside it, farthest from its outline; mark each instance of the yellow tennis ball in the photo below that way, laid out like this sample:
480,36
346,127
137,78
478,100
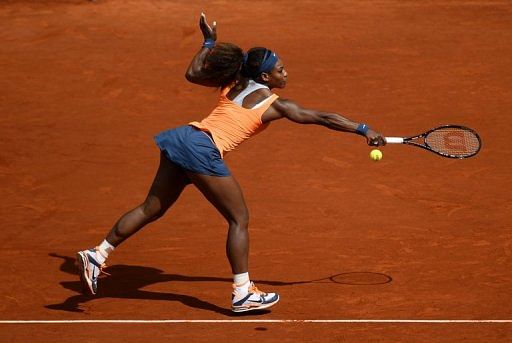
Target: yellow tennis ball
376,155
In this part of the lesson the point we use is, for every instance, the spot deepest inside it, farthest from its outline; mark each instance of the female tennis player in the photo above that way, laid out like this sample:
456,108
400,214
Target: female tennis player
193,154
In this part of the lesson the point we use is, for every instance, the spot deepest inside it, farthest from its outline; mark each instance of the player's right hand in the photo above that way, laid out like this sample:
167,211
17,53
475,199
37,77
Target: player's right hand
374,138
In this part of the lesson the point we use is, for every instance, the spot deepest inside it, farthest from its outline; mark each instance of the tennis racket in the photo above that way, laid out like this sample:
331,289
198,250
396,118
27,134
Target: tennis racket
452,141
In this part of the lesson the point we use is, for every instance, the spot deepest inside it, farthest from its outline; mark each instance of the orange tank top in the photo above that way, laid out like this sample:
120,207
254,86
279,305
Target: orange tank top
230,124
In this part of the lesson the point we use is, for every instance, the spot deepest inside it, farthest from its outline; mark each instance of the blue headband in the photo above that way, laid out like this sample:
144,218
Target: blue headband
269,61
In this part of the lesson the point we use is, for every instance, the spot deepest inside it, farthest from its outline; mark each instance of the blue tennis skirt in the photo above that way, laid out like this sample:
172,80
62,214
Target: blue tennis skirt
193,150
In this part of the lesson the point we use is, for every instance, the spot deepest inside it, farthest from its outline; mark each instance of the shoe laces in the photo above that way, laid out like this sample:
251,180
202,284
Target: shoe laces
255,290
103,266
102,270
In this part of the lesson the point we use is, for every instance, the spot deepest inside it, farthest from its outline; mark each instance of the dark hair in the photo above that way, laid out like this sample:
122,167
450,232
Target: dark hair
251,67
223,63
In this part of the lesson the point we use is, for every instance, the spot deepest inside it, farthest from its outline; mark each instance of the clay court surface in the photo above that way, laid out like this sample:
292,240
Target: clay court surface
85,86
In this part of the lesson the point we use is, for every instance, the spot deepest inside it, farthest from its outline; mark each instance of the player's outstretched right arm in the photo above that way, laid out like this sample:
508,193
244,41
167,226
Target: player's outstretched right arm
283,108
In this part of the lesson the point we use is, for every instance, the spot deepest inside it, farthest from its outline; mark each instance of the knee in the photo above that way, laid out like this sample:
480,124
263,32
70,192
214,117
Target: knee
152,209
240,220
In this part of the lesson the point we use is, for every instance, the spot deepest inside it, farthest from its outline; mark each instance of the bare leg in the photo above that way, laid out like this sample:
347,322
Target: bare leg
225,194
169,182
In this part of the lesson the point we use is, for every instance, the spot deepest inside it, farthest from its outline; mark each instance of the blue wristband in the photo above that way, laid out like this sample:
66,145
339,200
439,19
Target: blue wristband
362,129
209,43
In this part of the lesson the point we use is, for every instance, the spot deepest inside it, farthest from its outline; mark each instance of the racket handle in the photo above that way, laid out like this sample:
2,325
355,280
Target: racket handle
394,140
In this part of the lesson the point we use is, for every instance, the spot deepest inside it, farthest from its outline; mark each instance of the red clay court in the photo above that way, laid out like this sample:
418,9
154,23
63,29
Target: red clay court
85,86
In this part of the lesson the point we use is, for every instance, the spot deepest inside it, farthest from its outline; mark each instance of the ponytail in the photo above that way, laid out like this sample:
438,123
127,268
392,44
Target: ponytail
223,64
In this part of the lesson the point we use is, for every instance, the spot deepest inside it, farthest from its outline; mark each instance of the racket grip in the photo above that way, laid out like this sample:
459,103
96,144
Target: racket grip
394,140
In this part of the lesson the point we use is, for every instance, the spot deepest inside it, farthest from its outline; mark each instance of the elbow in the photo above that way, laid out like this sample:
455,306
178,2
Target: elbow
194,74
190,76
323,119
198,79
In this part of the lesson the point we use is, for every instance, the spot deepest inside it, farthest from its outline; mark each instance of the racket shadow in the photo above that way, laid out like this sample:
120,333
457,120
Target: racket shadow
346,278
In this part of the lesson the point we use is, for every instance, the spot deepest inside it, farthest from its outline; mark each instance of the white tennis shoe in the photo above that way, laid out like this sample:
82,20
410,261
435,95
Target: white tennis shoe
253,300
90,269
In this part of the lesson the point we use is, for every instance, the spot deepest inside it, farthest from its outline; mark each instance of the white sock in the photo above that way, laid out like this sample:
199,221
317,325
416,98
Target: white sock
103,250
242,282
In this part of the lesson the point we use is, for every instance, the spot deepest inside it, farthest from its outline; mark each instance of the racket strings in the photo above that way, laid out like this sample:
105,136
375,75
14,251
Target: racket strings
453,141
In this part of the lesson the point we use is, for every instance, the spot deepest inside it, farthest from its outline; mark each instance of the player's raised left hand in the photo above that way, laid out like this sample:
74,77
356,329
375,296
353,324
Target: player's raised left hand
209,32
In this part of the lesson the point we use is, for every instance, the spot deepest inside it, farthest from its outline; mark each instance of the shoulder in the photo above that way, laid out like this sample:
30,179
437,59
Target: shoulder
278,109
283,105
256,97
260,94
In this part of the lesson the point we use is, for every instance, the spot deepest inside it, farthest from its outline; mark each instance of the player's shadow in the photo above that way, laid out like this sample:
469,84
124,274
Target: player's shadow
126,282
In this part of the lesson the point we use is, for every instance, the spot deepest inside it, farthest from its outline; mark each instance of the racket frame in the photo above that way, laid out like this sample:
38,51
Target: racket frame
411,141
